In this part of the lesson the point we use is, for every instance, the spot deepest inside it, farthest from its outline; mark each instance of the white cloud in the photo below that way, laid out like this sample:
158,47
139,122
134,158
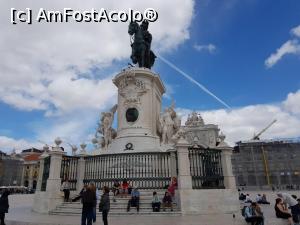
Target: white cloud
75,128
289,47
42,64
292,103
241,123
296,31
169,91
210,48
7,144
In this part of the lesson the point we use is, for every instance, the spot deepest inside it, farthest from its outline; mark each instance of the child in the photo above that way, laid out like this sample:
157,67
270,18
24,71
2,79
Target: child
155,202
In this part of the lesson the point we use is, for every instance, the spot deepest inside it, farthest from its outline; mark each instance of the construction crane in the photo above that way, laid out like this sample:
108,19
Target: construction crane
256,137
264,157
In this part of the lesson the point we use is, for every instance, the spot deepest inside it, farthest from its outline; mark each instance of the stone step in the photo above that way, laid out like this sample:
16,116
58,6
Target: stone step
142,206
112,209
123,213
120,206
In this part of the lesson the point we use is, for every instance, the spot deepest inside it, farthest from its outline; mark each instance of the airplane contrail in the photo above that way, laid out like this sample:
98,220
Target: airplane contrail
193,80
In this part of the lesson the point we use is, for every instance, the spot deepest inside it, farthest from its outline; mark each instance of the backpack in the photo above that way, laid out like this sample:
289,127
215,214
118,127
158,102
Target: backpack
243,210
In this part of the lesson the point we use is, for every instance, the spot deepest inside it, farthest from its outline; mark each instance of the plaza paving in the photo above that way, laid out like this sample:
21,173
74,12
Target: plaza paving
20,214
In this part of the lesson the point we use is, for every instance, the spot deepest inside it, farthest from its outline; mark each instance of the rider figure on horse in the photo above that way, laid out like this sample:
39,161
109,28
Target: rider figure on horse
141,46
147,39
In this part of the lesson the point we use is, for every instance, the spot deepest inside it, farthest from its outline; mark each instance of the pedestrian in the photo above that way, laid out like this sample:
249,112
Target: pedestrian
94,189
4,206
88,203
104,205
65,187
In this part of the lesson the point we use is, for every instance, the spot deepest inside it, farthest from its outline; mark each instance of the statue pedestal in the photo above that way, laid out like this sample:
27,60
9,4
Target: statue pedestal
139,106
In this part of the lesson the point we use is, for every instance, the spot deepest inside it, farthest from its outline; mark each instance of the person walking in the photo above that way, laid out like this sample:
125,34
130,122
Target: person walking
88,203
104,205
94,189
3,206
65,187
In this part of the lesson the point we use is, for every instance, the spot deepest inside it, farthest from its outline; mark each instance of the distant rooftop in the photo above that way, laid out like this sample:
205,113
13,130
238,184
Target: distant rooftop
273,140
33,157
32,150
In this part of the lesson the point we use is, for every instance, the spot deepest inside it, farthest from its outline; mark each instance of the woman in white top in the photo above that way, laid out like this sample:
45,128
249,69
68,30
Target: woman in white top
66,189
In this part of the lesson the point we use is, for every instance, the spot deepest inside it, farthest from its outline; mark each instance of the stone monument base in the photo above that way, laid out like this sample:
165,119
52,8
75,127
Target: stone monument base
133,143
213,201
43,202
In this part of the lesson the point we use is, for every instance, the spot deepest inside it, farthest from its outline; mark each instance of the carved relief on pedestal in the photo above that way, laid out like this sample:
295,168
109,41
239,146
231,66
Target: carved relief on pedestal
131,88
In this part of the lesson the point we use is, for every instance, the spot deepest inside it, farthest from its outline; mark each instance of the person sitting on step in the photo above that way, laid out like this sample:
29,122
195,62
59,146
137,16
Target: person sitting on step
116,189
155,202
124,188
282,212
251,215
167,201
264,200
134,201
248,199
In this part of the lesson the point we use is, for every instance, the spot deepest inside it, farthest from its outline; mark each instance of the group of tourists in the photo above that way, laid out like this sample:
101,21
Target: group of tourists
286,206
167,200
260,198
89,198
121,189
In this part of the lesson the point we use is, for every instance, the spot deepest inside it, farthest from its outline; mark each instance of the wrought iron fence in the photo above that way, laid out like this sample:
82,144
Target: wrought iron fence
69,165
46,171
143,170
206,168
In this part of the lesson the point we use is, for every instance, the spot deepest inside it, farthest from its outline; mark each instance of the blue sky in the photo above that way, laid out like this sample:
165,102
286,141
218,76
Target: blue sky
242,35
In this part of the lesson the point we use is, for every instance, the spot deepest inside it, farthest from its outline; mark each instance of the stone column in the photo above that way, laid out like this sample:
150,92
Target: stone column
81,167
80,173
173,162
229,179
45,201
184,174
54,180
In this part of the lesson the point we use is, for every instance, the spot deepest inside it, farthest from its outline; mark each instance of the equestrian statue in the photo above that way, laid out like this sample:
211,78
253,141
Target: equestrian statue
141,44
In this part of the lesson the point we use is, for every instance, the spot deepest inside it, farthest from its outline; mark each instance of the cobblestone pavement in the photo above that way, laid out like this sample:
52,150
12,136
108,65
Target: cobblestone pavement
20,214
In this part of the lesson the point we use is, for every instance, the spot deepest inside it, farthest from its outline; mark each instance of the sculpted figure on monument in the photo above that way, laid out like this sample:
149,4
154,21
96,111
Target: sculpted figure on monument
105,127
169,124
194,120
141,44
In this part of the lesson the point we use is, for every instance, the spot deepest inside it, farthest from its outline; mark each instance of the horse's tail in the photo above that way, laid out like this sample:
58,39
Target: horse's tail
152,58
